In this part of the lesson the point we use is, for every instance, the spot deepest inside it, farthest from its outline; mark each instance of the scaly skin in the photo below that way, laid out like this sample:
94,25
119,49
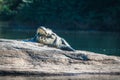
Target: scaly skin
48,37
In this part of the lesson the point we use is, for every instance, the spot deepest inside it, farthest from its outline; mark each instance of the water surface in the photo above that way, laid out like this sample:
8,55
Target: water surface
100,42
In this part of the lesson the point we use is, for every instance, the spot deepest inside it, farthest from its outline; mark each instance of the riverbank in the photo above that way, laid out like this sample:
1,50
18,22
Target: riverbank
28,58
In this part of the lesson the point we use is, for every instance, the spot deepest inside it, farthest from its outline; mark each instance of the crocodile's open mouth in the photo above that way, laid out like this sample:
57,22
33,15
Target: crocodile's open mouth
42,35
43,32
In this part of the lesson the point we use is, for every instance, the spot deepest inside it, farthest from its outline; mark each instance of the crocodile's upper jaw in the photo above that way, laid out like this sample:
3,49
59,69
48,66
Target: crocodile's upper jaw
44,31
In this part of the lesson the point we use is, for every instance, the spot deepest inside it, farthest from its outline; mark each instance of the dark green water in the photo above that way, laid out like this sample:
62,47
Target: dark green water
100,42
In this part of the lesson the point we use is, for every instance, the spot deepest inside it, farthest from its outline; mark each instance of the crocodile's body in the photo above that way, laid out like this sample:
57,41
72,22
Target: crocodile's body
48,37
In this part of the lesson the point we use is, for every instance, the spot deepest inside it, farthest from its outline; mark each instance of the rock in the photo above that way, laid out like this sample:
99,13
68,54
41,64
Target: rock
28,58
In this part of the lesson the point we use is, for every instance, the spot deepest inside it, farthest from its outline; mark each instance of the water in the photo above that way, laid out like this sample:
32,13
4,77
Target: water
99,42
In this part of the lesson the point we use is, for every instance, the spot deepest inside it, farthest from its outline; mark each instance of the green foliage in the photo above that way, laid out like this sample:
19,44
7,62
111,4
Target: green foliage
7,9
65,14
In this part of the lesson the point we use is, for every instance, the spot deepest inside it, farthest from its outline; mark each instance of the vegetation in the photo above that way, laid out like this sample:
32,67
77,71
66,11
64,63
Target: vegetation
101,15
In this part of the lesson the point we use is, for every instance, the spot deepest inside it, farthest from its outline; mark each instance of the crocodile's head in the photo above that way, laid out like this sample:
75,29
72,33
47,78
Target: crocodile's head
46,32
45,35
48,37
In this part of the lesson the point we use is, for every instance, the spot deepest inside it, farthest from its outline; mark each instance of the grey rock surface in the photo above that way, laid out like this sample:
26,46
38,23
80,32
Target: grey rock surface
23,58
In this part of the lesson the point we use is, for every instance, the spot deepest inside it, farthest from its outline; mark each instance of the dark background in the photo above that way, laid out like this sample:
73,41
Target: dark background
90,15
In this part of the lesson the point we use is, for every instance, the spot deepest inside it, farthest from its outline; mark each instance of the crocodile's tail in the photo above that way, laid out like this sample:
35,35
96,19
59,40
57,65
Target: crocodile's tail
66,46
